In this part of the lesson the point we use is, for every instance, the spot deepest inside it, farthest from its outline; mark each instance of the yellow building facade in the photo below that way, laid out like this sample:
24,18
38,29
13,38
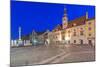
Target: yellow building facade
78,31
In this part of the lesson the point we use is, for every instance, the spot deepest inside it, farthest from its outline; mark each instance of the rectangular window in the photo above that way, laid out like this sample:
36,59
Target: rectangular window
68,35
89,34
81,41
63,37
74,34
81,33
69,42
74,41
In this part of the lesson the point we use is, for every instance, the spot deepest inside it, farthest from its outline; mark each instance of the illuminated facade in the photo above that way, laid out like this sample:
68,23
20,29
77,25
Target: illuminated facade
78,31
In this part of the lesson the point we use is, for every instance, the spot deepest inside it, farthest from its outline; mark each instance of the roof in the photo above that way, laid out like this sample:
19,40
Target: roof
77,22
91,19
27,36
58,27
72,23
39,33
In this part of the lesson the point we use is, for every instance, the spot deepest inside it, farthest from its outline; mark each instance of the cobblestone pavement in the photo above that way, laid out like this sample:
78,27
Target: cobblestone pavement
51,54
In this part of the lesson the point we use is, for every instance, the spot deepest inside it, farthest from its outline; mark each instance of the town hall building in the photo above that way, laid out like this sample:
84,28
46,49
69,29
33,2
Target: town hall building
78,31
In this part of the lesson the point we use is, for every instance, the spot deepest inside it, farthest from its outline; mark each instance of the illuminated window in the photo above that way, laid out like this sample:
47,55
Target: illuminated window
63,32
69,31
74,34
81,32
89,34
74,24
69,35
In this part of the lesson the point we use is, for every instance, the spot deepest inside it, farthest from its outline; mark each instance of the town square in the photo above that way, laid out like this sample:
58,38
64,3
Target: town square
70,40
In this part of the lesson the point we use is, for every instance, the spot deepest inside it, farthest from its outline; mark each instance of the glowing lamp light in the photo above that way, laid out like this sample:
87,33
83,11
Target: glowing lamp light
35,41
59,38
67,38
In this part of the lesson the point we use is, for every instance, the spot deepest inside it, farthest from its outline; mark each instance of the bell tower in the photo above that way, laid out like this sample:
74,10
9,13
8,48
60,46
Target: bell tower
65,19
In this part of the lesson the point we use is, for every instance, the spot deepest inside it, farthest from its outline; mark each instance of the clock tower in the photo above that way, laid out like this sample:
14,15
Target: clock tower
64,19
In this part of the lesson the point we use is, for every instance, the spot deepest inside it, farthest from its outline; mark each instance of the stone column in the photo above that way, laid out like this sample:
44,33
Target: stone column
19,33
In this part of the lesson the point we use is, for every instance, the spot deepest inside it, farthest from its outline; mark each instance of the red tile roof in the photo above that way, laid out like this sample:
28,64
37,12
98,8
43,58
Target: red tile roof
73,23
77,22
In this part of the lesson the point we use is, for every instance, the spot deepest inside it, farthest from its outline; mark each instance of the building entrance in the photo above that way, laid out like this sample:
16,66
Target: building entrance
81,41
90,42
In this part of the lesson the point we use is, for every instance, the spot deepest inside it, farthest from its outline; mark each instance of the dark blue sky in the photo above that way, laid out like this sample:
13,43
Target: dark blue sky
42,16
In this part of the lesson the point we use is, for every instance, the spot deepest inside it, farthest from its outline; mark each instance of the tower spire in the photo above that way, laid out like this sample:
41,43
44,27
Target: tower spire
65,11
65,18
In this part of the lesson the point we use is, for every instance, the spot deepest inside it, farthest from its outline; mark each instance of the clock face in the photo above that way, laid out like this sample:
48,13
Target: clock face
64,18
65,23
65,27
